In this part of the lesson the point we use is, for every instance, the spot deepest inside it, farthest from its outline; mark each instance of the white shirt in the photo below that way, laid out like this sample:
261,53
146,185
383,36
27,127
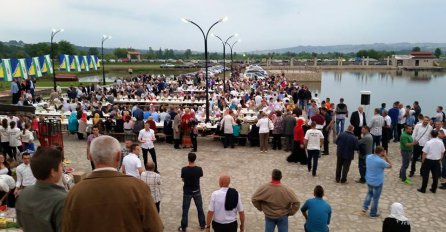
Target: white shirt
434,149
217,205
388,120
421,133
25,176
148,137
4,134
14,137
227,122
401,116
361,119
314,136
28,137
263,125
6,183
131,162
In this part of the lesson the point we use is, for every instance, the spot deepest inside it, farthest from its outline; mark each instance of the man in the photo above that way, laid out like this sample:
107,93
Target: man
319,212
15,91
226,124
131,165
176,129
433,152
347,144
376,128
191,175
25,177
289,122
402,116
386,131
277,202
40,207
439,115
357,119
95,134
313,140
125,151
153,181
341,113
328,126
92,206
223,208
394,114
376,164
146,137
365,148
319,119
417,109
406,147
421,134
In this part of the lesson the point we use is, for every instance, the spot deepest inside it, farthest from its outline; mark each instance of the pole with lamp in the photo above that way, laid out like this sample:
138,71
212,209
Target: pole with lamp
231,46
53,33
205,37
224,57
104,38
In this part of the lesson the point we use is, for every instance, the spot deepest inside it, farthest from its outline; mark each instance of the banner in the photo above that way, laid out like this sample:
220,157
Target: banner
33,65
47,63
5,70
23,69
92,61
64,61
74,63
84,64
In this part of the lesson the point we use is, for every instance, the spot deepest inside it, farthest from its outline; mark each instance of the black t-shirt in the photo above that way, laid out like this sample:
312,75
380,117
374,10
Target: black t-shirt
191,177
392,225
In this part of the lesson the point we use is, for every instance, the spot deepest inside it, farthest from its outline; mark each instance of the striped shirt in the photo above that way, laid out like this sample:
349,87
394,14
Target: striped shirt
376,125
153,180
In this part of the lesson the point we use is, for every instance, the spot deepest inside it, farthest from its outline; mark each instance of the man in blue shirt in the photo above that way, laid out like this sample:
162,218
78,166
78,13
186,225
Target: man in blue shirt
394,114
375,163
319,212
15,91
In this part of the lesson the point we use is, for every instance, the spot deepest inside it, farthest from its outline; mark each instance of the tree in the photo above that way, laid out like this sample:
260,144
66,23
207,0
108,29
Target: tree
438,52
416,49
187,54
159,54
151,54
65,47
37,49
120,52
93,51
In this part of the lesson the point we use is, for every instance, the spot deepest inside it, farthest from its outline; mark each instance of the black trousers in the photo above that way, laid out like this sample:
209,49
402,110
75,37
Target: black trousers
176,143
277,141
417,152
230,227
362,167
432,166
326,136
93,167
15,97
152,154
157,204
342,168
229,140
6,149
193,138
399,128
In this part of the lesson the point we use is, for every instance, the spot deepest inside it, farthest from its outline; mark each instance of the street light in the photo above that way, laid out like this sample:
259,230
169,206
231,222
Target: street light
232,46
104,38
53,33
205,37
224,57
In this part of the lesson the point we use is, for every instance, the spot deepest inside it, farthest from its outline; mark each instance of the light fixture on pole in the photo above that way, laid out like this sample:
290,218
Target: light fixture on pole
205,37
104,38
224,57
53,33
232,46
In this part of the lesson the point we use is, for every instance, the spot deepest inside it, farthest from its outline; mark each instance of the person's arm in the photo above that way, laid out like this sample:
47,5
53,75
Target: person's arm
88,150
242,221
329,216
209,218
4,197
123,169
18,183
140,170
423,157
140,137
386,158
304,210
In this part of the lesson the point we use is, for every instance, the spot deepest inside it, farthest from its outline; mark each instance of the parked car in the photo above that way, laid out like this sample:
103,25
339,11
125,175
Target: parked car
167,65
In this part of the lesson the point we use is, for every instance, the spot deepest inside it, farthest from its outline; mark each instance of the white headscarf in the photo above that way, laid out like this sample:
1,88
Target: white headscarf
397,212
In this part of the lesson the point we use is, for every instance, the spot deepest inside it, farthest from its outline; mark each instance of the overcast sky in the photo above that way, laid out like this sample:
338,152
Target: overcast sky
262,24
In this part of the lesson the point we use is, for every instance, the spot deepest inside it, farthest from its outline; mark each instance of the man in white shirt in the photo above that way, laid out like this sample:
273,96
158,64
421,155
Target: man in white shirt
131,164
313,140
401,119
25,176
433,152
421,134
223,208
146,137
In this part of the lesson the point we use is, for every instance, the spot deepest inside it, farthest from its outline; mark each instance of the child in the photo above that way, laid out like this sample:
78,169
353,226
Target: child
236,130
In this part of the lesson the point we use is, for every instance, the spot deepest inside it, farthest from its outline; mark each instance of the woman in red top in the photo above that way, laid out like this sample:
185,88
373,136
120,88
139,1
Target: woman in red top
152,123
298,155
186,142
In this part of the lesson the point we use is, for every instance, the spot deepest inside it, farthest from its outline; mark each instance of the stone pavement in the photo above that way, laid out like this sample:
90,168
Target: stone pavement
249,169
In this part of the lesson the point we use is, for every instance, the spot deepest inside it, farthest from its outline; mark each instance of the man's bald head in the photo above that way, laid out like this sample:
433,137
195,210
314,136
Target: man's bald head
224,181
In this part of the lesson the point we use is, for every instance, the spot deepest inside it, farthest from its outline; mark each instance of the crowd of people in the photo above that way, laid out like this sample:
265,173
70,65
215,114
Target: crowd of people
252,110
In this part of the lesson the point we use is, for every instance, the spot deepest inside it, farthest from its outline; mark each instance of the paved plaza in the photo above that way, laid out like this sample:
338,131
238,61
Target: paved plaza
249,169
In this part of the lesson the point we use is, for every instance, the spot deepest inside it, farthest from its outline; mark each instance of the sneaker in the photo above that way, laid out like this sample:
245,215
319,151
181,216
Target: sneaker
181,229
408,181
364,210
374,216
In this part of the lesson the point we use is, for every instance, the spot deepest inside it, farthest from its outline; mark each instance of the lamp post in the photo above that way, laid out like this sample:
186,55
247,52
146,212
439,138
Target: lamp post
232,46
224,57
104,38
205,37
53,33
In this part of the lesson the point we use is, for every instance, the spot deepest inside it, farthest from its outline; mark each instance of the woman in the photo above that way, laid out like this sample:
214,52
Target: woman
4,166
193,131
14,139
187,142
4,137
396,221
278,130
73,124
28,138
119,127
128,124
82,128
265,125
298,154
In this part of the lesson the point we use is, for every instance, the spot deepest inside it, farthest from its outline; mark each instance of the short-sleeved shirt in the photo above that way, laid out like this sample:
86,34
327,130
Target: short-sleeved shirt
91,138
314,139
191,177
375,170
434,149
319,214
147,136
217,205
131,162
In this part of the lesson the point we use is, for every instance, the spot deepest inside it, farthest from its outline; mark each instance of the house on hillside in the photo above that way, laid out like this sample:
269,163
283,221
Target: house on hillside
416,60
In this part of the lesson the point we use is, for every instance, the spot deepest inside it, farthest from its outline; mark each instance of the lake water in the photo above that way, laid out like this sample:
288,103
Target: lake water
427,88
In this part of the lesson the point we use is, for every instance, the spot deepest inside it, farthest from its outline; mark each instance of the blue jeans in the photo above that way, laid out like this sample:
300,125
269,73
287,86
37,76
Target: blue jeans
395,130
340,126
186,204
406,156
313,156
281,223
372,195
